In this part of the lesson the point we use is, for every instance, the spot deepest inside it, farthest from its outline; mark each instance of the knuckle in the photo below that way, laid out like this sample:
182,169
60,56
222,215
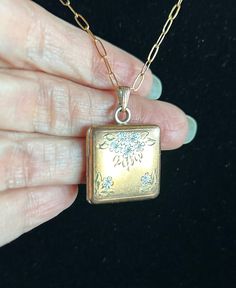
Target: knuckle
53,161
16,169
53,113
35,39
42,162
40,44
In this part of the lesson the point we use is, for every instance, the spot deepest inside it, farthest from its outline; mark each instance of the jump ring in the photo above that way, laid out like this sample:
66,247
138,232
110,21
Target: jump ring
127,118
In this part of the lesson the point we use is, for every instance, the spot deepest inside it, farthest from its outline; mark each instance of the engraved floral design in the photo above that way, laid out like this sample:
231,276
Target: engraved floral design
107,183
148,181
128,146
103,185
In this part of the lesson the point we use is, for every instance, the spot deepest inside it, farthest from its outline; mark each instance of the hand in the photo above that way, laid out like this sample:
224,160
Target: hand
53,86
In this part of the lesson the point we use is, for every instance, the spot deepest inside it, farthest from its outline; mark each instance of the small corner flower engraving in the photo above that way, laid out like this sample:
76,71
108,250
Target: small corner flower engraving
128,146
103,185
148,181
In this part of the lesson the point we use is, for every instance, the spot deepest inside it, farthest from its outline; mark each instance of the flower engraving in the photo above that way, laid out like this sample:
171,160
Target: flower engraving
128,146
103,185
107,183
148,181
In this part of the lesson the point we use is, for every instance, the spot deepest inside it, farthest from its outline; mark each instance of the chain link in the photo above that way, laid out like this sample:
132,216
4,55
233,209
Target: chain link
138,81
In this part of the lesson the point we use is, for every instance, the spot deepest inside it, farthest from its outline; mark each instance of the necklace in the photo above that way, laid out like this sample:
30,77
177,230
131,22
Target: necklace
123,161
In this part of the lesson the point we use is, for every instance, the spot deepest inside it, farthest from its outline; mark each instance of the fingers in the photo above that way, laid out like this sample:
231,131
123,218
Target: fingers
45,42
23,209
28,160
50,105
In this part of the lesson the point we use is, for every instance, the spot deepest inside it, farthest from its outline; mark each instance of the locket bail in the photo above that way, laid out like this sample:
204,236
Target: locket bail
123,93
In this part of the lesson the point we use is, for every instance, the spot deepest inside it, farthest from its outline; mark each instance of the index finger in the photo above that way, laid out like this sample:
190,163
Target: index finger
47,43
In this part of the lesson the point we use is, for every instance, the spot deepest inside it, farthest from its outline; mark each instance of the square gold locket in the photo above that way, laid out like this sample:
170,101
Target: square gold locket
123,163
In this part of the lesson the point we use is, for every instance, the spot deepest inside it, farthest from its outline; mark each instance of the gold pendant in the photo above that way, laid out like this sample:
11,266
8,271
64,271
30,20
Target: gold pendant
123,161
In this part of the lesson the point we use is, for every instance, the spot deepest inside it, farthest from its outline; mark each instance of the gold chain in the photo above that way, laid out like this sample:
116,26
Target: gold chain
84,25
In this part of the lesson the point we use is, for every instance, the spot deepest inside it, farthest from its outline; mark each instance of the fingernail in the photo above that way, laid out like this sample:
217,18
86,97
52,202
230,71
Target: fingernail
192,129
156,89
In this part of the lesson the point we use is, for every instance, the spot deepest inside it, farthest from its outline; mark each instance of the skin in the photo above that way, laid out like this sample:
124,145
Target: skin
53,86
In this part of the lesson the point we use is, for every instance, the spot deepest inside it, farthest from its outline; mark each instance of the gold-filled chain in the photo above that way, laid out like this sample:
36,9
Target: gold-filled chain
84,25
